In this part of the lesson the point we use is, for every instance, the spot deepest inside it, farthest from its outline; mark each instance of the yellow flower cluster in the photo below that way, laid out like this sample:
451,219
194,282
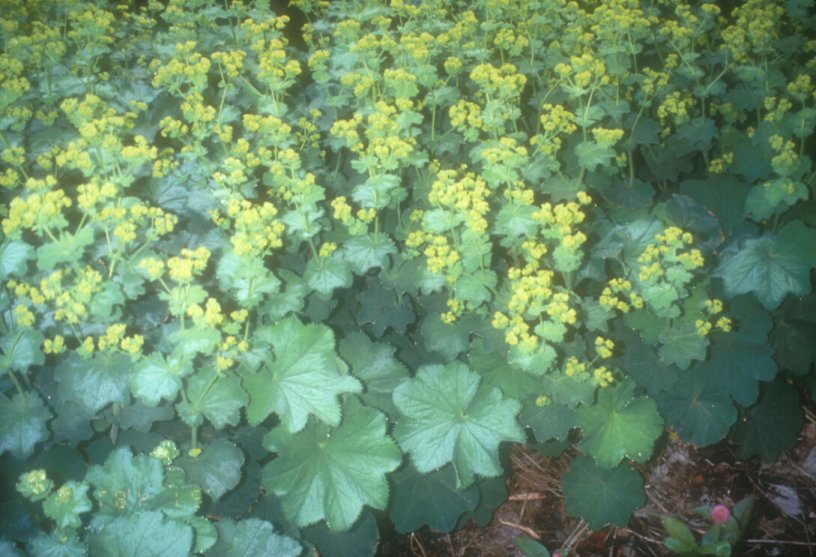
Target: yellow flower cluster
801,87
603,376
787,158
400,83
388,144
342,210
614,19
463,31
442,257
711,309
584,72
681,32
416,46
618,294
23,316
464,193
504,82
604,347
556,119
757,25
720,164
256,230
466,116
504,162
455,310
578,370
185,72
230,64
210,315
574,367
69,301
607,137
39,212
531,290
55,345
115,339
669,257
184,267
97,122
560,222
453,65
675,108
510,41
91,26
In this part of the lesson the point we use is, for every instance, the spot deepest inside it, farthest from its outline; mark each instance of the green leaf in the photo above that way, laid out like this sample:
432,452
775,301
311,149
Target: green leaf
490,360
124,483
104,302
516,220
156,378
591,154
179,298
682,344
531,548
431,499
774,197
325,274
143,534
450,417
492,495
384,308
67,249
247,279
375,192
683,538
22,350
771,266
375,365
701,413
367,252
739,359
476,287
22,423
633,194
642,364
450,340
217,469
330,474
619,425
601,496
772,425
205,534
359,541
217,396
97,381
14,256
550,421
54,545
251,537
65,504
189,342
302,378
793,334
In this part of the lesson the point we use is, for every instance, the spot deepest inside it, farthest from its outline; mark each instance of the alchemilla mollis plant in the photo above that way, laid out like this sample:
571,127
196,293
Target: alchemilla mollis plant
261,298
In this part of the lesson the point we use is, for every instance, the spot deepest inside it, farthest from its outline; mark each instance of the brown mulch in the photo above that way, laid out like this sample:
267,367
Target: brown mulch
680,479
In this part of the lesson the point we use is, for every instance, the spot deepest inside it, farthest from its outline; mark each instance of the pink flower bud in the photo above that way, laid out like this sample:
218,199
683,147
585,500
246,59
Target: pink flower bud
720,514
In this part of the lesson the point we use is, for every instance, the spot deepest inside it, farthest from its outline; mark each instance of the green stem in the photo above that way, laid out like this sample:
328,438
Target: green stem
17,385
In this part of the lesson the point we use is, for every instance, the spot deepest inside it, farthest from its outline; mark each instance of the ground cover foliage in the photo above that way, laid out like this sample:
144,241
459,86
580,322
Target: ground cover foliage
259,299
